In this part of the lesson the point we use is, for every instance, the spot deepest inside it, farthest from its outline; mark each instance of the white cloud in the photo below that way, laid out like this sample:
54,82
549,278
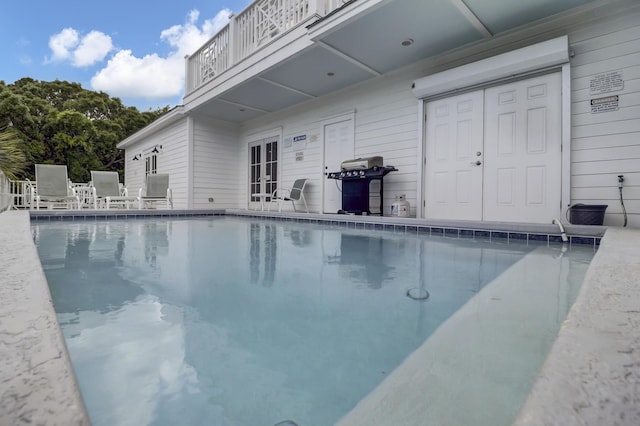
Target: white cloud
154,76
93,48
150,77
62,43
82,52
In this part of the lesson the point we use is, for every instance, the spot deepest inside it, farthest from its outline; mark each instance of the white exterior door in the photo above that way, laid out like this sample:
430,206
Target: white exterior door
454,157
338,147
495,154
523,136
263,170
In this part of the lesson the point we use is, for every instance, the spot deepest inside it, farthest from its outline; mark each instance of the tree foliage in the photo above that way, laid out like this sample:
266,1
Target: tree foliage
12,159
61,123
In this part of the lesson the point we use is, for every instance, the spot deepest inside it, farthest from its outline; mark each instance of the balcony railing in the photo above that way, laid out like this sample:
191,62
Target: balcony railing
259,23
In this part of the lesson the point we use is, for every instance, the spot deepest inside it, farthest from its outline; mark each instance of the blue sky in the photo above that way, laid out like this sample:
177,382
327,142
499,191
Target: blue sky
133,50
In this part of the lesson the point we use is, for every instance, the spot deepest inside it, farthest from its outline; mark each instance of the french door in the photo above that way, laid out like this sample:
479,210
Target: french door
263,169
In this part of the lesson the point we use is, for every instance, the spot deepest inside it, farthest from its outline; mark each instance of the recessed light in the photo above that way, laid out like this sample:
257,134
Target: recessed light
407,42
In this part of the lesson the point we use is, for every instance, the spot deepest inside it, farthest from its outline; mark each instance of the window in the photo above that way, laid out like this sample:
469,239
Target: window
151,164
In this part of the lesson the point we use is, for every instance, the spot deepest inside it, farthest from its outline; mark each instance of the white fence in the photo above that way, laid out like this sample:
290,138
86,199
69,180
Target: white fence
14,194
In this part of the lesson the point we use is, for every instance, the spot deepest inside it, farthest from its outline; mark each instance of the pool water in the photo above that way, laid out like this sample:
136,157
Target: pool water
229,321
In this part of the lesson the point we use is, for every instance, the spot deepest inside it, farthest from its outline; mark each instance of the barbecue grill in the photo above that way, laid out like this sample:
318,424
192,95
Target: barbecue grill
356,176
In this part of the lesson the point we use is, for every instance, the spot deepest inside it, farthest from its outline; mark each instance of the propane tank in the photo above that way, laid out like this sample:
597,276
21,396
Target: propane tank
400,207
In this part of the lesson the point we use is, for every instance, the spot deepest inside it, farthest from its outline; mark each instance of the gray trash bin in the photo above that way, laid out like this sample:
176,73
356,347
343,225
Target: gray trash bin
587,214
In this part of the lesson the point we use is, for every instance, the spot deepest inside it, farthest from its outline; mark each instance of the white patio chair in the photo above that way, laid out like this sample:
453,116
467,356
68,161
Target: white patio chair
52,188
107,191
156,190
295,193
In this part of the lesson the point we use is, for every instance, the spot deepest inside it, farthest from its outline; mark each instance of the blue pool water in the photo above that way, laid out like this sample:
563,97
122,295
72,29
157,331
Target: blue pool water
227,321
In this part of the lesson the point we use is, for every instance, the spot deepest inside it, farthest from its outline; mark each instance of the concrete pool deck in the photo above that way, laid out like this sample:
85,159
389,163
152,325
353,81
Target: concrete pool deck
591,376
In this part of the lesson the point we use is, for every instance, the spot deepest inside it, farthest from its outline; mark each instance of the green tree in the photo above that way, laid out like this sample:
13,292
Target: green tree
13,162
61,123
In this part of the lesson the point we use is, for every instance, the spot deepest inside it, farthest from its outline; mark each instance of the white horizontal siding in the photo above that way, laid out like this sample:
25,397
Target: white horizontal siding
607,144
216,167
385,124
172,160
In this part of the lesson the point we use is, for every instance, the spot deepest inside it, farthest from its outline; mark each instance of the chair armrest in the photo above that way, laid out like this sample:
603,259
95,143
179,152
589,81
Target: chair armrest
281,193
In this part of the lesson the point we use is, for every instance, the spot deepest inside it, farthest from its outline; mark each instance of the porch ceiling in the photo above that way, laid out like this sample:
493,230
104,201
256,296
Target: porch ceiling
369,44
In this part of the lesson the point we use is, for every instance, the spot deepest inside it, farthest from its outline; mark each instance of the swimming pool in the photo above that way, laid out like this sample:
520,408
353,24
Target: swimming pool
235,322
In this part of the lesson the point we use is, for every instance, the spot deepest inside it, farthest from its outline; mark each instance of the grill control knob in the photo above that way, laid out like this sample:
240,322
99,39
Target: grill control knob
361,172
341,174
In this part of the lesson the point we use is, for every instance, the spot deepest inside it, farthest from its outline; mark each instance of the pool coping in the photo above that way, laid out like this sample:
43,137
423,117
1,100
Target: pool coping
39,385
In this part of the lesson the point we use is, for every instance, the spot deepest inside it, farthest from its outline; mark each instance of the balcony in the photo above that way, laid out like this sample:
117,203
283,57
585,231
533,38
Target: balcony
256,26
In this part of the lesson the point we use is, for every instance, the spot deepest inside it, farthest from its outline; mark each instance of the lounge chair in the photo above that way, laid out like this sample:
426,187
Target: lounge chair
156,191
295,193
52,188
107,192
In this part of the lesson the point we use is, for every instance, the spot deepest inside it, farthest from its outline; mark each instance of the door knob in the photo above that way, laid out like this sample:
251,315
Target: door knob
476,163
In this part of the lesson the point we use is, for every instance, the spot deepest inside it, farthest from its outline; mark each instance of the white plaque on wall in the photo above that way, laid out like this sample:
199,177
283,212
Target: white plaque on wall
608,82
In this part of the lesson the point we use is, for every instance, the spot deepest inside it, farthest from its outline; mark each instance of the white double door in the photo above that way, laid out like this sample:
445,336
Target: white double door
495,154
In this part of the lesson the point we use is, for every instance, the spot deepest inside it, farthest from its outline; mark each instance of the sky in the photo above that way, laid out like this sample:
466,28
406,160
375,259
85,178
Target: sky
133,49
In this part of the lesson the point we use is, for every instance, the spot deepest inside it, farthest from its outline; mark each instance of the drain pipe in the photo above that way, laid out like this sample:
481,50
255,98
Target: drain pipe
564,234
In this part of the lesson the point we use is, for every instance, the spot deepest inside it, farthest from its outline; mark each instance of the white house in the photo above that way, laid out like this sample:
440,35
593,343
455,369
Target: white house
490,110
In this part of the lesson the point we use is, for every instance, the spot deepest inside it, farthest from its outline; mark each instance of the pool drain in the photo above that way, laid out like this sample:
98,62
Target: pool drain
286,423
417,293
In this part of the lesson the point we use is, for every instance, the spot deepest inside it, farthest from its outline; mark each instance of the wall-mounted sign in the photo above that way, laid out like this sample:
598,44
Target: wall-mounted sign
607,82
299,142
605,104
300,156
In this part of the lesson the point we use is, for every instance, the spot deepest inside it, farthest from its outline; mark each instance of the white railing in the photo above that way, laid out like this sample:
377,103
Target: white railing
253,28
14,194
265,20
20,191
209,61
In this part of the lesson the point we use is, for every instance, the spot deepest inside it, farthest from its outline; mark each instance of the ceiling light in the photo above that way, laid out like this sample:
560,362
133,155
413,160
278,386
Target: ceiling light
407,42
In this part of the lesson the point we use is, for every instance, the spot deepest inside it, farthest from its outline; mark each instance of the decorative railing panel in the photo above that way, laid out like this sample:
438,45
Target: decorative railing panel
265,20
252,29
208,61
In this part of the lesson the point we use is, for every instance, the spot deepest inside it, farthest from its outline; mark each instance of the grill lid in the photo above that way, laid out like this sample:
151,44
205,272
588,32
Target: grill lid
362,163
